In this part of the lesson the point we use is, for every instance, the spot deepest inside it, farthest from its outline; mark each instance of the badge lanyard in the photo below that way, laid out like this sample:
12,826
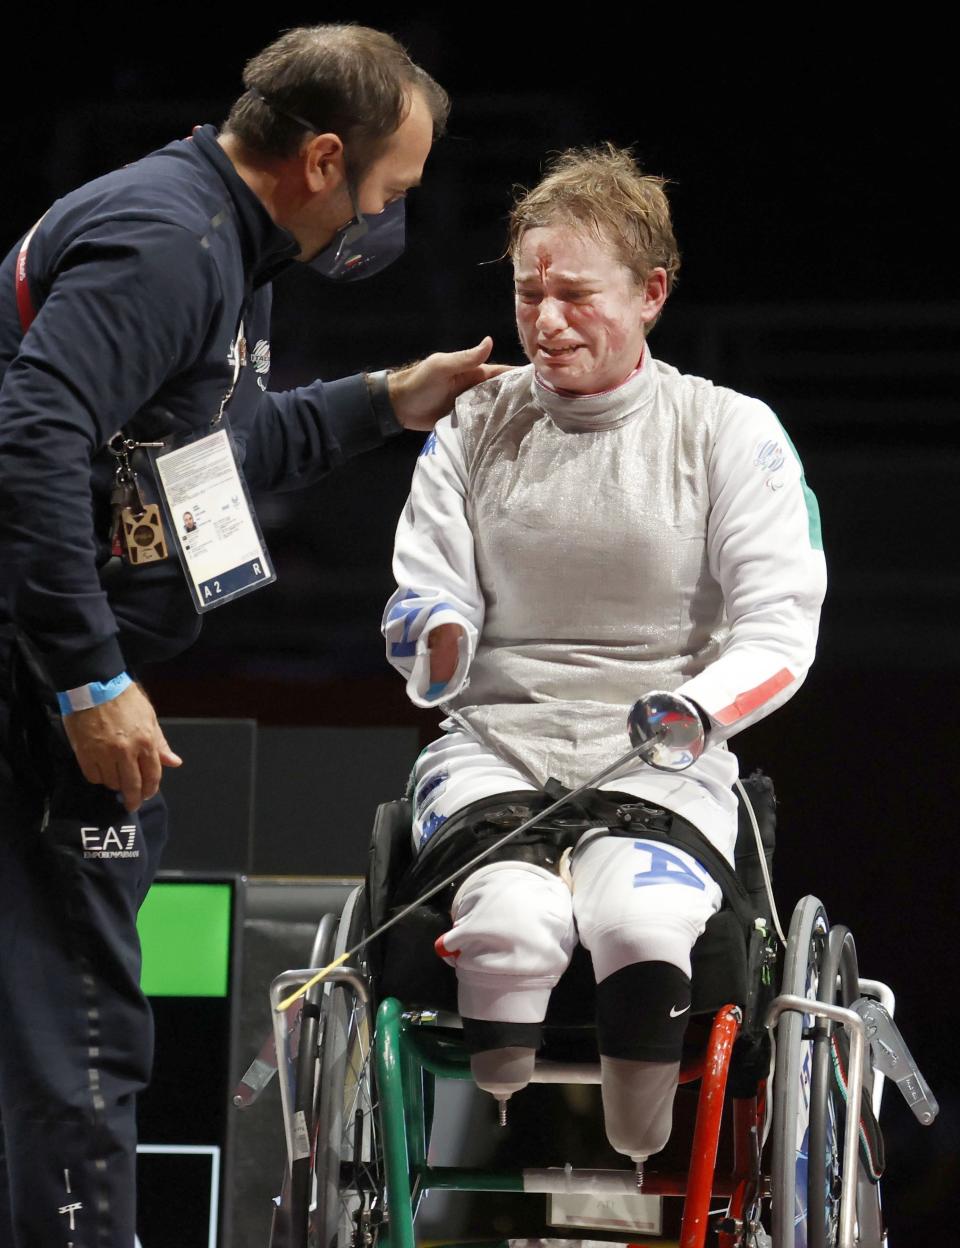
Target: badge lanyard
209,511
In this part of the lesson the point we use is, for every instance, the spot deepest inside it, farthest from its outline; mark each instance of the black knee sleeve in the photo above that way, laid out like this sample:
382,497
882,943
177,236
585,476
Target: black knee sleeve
481,1034
642,1012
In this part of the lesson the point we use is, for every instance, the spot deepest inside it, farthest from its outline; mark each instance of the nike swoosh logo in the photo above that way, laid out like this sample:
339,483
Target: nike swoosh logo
675,1013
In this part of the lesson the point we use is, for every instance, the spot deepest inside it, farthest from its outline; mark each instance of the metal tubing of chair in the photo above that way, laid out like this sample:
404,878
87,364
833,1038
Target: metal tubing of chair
280,1040
884,994
437,1057
570,1182
342,975
278,989
432,1058
706,1133
411,1074
459,1179
586,1182
851,1144
323,938
559,1180
393,1119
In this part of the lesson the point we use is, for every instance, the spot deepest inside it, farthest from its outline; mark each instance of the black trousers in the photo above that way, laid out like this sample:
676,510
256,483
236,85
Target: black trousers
76,1033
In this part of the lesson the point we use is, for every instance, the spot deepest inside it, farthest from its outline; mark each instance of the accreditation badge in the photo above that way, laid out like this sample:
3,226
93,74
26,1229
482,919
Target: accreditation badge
211,519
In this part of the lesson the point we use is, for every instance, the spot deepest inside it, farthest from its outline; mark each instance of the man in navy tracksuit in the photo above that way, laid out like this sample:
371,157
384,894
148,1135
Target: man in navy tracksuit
129,310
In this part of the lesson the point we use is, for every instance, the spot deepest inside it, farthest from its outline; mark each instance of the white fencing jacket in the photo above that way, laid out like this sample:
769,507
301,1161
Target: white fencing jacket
658,536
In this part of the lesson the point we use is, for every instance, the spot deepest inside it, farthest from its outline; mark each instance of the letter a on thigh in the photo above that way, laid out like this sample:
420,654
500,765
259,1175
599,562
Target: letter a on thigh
640,901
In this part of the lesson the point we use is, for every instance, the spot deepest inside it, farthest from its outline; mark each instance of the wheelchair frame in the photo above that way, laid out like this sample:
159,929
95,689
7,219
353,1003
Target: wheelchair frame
406,1050
375,1146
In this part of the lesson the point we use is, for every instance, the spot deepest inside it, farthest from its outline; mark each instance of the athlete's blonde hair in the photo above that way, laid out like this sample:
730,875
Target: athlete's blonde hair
603,190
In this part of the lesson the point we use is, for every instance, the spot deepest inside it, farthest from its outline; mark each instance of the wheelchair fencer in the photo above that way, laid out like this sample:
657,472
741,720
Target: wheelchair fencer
780,1073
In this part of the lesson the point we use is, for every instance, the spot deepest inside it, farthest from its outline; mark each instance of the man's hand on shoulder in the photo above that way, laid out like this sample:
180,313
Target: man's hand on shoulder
425,391
119,744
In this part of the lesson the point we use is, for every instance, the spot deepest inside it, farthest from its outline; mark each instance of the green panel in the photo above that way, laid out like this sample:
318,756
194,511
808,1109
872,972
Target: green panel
185,935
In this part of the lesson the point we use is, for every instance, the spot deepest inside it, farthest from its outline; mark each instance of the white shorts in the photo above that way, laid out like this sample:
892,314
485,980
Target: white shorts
515,925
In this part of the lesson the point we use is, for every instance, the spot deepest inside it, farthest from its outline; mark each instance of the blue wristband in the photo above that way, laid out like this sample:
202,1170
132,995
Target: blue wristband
434,690
98,691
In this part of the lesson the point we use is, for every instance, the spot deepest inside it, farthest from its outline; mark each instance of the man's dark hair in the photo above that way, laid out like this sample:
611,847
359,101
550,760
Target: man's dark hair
347,80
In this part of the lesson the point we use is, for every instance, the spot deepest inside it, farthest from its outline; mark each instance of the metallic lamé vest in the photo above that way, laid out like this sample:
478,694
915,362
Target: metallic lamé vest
589,518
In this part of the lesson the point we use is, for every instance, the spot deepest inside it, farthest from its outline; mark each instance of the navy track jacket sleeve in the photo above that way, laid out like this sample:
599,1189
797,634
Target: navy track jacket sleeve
299,435
130,304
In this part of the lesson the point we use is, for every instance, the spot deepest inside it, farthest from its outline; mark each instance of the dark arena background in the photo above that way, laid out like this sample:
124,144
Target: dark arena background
810,169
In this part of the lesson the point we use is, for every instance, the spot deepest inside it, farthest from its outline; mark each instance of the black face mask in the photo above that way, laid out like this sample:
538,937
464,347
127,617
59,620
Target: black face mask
363,246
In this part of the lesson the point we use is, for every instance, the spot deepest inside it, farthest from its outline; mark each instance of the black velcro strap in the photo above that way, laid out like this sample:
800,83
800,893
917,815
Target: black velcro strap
482,1034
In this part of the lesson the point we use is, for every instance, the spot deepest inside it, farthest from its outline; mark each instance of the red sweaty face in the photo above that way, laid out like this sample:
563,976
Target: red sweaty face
580,311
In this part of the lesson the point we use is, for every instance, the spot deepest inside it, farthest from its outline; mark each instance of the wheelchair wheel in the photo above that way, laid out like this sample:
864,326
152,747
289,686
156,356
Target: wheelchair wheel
348,1152
803,961
839,985
826,1147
